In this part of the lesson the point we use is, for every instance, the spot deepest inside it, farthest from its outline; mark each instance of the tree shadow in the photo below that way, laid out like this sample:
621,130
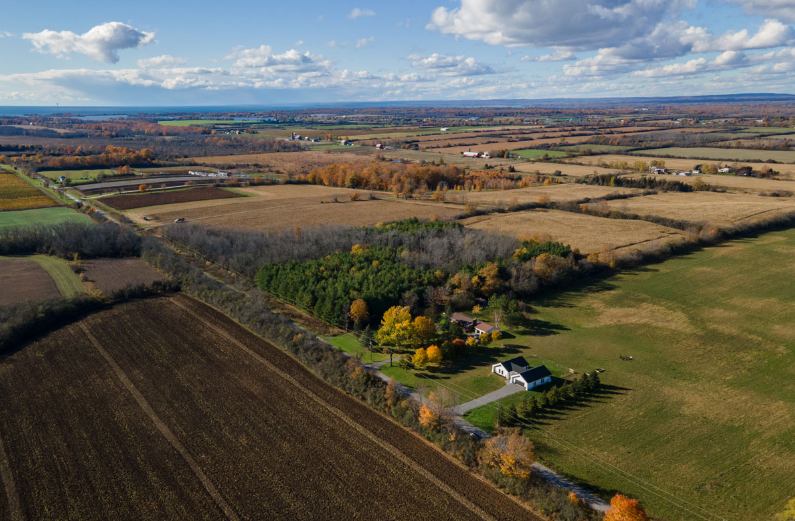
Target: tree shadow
484,358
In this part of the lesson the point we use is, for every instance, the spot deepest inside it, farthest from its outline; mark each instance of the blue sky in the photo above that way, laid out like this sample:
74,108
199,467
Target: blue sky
174,52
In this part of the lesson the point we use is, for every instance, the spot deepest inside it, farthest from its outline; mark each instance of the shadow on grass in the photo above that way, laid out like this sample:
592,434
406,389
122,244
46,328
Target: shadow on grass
484,358
560,410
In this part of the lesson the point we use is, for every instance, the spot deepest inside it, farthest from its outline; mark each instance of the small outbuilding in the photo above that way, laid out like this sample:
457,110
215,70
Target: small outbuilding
484,328
465,321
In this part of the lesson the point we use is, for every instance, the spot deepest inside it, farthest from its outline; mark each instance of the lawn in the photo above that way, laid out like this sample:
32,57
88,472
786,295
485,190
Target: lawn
351,345
706,409
533,153
79,175
66,280
595,148
41,216
725,154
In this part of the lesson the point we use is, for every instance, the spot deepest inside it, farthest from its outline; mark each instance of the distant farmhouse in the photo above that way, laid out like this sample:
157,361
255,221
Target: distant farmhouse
470,324
518,371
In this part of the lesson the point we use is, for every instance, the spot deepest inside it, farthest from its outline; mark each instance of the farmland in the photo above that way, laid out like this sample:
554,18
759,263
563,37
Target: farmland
41,216
705,408
585,232
556,192
128,202
24,279
532,153
287,162
203,122
109,275
288,206
206,422
16,194
79,175
724,154
716,208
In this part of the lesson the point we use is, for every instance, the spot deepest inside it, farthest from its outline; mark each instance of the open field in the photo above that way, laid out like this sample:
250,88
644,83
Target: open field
68,283
287,162
352,346
17,194
128,202
723,154
109,275
722,209
787,170
203,122
24,279
595,148
41,216
556,192
586,232
705,410
768,130
564,169
511,145
288,206
532,153
168,400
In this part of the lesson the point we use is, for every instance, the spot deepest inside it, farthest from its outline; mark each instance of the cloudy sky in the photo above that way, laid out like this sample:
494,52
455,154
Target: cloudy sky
176,52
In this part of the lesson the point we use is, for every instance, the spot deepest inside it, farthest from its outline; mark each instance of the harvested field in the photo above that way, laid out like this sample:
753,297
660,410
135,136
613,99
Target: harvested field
287,162
168,400
113,274
723,154
588,233
24,280
557,193
128,202
716,208
287,206
17,194
510,145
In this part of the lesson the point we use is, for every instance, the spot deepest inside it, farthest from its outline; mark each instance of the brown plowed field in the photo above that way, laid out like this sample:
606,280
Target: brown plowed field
22,279
166,409
128,202
113,274
557,193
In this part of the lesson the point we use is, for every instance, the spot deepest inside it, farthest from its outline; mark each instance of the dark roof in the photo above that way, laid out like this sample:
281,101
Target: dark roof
460,317
516,365
536,373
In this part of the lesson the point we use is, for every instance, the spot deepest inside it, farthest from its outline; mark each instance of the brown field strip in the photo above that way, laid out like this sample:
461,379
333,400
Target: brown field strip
129,202
113,274
272,439
586,232
10,501
25,280
716,208
564,169
287,206
557,193
295,162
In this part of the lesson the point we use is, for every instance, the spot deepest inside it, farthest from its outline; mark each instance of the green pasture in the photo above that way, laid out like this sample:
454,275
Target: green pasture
44,216
533,153
79,175
351,345
203,122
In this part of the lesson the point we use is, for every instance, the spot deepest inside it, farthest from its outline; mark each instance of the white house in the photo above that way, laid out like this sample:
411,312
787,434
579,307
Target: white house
518,371
484,328
512,366
532,377
724,170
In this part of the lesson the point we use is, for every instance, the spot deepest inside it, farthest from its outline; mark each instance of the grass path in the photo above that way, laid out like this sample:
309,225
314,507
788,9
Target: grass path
65,279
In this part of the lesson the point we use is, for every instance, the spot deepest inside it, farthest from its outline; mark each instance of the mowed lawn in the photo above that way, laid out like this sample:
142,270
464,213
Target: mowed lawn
706,410
42,216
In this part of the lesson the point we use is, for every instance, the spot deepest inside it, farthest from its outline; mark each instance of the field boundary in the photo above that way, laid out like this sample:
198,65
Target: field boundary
162,427
348,420
14,506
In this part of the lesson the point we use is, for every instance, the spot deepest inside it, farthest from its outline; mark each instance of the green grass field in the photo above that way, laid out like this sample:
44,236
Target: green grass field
532,153
725,154
350,345
769,130
706,410
79,175
10,219
594,148
65,279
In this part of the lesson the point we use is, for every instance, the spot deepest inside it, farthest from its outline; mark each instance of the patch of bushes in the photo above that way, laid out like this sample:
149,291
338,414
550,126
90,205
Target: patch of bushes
67,239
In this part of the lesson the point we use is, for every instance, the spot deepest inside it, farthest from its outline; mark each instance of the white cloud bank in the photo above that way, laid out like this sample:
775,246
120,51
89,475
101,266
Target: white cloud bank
359,13
100,43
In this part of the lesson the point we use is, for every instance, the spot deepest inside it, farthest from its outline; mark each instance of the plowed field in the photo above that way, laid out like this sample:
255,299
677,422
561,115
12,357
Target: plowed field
128,202
22,279
166,409
113,274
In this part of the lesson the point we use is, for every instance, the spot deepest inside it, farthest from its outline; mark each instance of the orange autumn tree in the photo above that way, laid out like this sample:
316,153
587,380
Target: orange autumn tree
359,310
434,355
511,452
436,412
623,508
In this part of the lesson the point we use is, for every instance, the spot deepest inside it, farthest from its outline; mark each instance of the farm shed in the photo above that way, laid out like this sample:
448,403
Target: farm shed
463,320
484,328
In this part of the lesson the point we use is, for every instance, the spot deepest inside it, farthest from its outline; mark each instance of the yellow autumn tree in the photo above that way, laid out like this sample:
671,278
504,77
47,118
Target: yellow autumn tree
436,412
422,331
623,508
395,326
420,358
511,452
359,310
434,355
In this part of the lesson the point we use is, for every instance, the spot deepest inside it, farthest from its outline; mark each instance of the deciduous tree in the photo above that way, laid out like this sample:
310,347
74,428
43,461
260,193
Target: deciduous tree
434,355
420,358
359,310
623,508
511,452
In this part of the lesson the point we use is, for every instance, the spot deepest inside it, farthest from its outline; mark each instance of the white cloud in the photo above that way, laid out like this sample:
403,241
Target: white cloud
358,13
405,24
299,43
101,43
263,57
5,33
364,42
783,9
447,65
557,56
161,61
770,34
564,24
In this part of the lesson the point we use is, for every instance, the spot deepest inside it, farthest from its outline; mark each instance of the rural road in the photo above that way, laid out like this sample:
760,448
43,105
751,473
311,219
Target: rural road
507,390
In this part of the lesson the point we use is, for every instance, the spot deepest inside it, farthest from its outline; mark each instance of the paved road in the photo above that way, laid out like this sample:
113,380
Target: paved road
507,390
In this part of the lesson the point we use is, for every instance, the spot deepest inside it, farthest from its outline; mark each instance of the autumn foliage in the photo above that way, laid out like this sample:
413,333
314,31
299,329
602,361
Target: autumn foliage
511,452
623,508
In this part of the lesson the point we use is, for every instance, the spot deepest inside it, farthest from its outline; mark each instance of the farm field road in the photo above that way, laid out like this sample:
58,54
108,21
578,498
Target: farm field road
273,440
